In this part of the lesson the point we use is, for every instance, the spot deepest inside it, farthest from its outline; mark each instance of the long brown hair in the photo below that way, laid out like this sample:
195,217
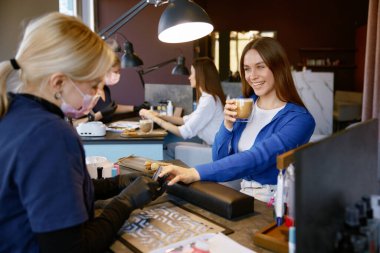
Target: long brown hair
275,58
207,79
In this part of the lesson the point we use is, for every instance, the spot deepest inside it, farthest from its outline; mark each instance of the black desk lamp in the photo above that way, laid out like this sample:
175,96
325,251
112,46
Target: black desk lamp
129,58
182,21
179,68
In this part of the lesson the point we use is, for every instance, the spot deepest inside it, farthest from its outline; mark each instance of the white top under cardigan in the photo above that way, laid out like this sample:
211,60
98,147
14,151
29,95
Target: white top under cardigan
205,121
259,119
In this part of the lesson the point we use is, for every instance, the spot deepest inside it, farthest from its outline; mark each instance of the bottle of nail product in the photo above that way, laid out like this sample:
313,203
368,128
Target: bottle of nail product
351,240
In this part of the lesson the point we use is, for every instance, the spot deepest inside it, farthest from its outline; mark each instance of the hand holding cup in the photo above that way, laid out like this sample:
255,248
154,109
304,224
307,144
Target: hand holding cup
229,113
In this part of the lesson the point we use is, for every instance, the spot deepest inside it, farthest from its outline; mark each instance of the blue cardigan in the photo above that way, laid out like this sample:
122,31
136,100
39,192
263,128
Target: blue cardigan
291,127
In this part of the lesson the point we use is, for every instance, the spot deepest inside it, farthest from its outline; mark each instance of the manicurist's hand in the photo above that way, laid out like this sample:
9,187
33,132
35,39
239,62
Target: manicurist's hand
145,105
109,109
140,192
230,113
178,173
124,180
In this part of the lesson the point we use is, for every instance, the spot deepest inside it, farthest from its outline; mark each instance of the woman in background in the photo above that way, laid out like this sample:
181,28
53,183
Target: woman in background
205,121
280,122
106,108
46,194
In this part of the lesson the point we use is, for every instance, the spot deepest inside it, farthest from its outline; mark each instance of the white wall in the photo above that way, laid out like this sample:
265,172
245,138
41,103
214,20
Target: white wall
13,16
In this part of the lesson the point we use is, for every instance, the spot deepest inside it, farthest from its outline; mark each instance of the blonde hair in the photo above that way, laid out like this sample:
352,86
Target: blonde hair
57,43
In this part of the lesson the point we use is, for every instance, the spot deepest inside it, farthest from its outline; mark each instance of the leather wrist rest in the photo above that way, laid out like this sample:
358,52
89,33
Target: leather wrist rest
215,198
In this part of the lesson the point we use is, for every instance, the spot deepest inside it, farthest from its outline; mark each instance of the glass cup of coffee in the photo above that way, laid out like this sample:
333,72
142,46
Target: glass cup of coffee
244,109
146,125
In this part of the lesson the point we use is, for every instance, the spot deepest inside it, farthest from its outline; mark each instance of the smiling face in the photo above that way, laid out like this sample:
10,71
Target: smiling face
258,75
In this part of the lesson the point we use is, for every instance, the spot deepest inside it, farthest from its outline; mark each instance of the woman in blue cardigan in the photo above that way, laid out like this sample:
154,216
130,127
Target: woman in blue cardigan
280,122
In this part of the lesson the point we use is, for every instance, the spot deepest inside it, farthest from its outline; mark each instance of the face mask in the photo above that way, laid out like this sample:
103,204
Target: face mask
88,103
112,78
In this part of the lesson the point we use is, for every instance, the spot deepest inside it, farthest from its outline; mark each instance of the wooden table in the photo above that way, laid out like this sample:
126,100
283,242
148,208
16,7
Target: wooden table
244,227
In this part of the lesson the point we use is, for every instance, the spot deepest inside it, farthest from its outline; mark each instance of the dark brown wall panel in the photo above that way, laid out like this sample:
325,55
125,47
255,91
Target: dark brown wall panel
299,24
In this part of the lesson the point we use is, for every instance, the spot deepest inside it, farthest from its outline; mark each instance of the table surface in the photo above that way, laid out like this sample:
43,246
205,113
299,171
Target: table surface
116,137
244,228
113,146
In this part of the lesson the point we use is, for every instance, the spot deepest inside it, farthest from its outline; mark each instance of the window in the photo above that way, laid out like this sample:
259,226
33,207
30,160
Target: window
82,8
237,42
68,7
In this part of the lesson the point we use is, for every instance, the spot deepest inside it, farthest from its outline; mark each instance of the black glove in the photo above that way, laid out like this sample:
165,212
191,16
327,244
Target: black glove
109,187
136,195
145,105
124,180
109,109
139,193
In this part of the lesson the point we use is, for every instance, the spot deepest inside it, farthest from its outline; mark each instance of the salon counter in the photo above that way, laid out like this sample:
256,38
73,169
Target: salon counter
113,146
244,227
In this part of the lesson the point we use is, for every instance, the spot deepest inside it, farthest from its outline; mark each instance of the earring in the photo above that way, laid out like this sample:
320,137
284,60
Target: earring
57,95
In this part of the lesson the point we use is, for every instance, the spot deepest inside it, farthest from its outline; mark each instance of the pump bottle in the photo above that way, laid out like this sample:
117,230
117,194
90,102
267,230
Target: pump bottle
169,108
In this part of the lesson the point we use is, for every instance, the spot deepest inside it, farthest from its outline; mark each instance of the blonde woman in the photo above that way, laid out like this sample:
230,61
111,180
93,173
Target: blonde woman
46,194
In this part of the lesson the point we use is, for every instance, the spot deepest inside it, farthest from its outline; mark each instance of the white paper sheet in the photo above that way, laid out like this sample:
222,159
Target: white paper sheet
120,126
216,243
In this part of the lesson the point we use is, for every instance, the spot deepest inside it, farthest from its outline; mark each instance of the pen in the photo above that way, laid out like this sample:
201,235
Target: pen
292,240
279,205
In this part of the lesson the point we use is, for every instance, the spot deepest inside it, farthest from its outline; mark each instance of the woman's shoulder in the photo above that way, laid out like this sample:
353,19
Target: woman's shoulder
206,98
204,94
293,110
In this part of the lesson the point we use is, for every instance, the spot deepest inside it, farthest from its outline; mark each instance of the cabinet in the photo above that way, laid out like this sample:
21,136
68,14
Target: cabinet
340,61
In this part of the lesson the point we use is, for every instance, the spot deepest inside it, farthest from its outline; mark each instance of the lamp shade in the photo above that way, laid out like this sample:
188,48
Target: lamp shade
183,21
180,67
129,59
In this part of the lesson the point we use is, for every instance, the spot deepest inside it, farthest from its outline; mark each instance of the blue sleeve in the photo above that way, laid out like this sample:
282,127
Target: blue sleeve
296,131
51,178
222,143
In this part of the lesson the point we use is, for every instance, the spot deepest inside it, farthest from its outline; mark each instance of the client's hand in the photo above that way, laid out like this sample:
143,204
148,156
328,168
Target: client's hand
230,113
178,173
147,114
140,192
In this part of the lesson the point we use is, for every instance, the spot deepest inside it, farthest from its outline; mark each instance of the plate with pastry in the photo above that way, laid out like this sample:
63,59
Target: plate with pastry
141,164
137,133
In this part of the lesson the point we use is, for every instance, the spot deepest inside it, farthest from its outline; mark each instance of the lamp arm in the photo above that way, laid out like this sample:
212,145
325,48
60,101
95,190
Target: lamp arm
141,79
123,19
152,68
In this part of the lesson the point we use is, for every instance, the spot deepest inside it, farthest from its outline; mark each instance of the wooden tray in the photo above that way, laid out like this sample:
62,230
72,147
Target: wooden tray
140,134
138,163
273,238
